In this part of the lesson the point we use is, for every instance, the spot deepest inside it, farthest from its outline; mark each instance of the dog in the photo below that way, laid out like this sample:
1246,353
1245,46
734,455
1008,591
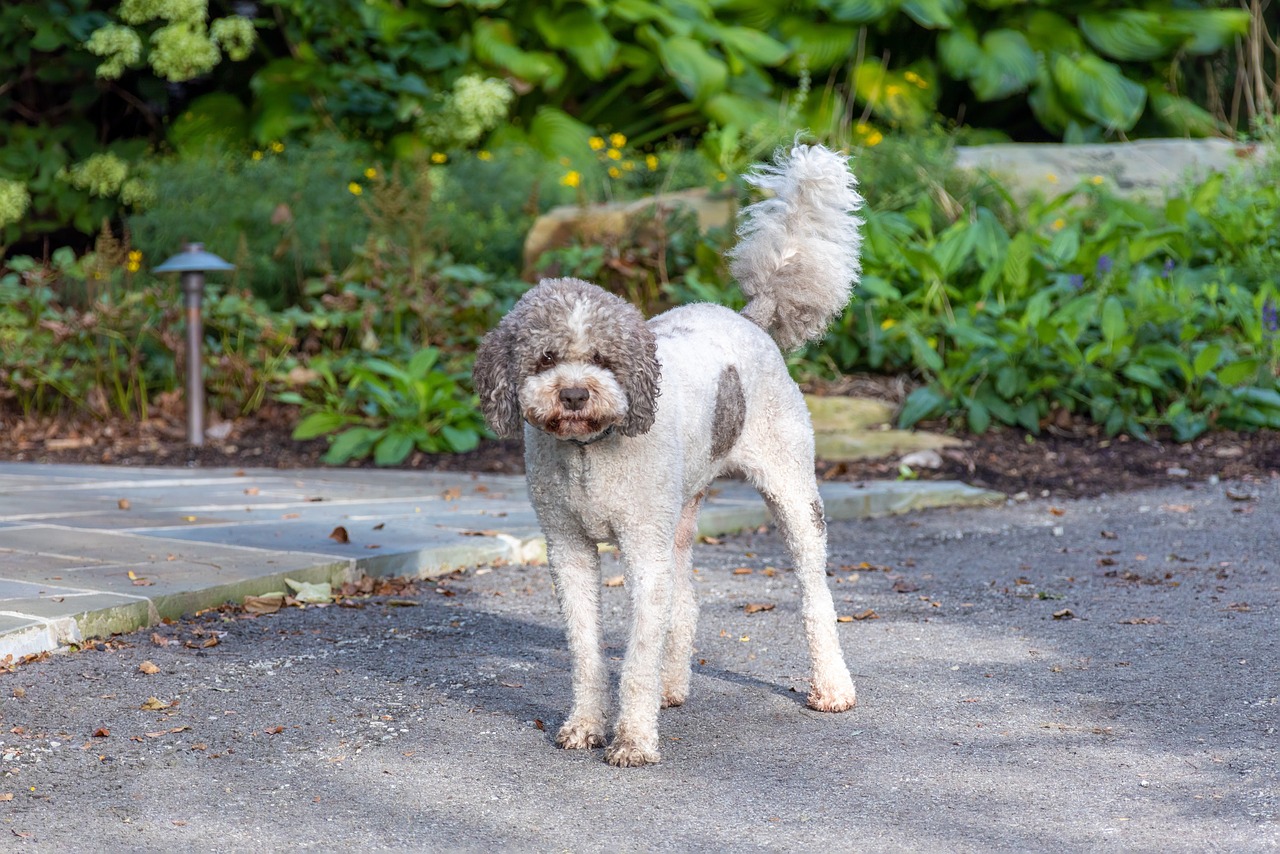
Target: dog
627,422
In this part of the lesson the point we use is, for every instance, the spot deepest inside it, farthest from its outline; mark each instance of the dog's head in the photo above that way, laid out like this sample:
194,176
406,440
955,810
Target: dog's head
572,360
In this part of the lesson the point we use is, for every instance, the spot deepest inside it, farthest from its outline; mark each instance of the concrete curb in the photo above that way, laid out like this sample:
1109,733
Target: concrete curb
69,576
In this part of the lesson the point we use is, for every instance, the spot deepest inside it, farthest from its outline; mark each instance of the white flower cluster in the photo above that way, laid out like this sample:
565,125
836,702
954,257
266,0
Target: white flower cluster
183,50
14,201
235,35
121,46
100,174
474,107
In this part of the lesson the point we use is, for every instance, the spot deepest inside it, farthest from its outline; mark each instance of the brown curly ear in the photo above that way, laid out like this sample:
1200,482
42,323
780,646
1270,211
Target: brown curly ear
639,373
495,381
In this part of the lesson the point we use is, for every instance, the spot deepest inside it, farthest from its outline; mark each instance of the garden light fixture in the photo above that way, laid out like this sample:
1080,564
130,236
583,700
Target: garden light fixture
193,262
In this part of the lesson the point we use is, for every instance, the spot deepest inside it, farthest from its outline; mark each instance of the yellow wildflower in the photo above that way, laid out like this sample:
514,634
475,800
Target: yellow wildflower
572,178
893,90
1051,178
615,172
916,79
628,166
651,162
862,128
1096,180
720,176
354,189
888,323
277,147
485,155
439,157
613,154
371,173
134,262
617,140
1059,224
875,138
257,155
596,143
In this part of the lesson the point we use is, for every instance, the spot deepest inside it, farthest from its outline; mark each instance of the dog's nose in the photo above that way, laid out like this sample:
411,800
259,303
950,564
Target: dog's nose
574,398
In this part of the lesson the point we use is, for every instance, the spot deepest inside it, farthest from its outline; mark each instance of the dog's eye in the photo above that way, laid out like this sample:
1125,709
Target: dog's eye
600,361
546,360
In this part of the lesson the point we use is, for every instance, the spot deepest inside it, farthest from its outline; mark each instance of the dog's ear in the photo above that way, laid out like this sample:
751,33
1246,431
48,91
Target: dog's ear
636,366
495,380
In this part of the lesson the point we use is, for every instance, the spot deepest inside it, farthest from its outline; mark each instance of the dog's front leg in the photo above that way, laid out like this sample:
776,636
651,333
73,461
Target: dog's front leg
650,566
575,569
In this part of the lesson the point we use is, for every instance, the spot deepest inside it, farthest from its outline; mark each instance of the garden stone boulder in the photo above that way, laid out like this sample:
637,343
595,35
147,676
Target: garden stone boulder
852,428
1149,167
561,226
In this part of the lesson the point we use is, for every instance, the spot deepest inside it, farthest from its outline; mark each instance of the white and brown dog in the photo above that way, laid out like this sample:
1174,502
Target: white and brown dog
626,423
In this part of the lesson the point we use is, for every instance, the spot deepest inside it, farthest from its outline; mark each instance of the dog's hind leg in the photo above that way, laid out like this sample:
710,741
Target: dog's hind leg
575,569
650,565
788,485
684,611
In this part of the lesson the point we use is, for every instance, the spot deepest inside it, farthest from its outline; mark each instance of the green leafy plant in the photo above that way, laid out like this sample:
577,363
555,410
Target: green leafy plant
372,406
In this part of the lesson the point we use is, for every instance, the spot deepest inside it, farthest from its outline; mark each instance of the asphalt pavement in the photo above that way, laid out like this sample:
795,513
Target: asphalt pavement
1041,675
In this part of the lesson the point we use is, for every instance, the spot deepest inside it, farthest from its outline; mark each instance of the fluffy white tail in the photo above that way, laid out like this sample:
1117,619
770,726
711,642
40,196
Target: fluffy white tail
797,254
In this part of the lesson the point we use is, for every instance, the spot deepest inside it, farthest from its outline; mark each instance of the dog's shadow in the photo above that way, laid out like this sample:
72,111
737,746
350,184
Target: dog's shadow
513,667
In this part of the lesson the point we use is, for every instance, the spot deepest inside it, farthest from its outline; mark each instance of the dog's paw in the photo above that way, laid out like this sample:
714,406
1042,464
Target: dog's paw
833,695
673,698
624,753
581,734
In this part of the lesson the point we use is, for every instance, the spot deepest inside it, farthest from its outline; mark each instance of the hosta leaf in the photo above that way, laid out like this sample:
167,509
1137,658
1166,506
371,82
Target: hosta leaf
924,402
319,423
495,44
1130,34
934,14
556,133
861,11
353,444
1182,116
1008,65
1098,90
817,46
580,34
752,45
697,72
393,448
1210,30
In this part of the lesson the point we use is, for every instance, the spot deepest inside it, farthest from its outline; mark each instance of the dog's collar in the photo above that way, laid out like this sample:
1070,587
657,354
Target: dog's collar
604,434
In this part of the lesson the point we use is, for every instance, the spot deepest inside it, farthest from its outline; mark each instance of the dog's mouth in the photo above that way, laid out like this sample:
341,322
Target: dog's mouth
569,427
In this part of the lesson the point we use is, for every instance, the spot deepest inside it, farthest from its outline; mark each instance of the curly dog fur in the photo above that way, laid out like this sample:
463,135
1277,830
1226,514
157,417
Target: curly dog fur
627,422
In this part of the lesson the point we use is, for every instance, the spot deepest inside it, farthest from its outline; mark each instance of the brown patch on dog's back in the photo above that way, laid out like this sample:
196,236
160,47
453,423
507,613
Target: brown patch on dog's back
730,413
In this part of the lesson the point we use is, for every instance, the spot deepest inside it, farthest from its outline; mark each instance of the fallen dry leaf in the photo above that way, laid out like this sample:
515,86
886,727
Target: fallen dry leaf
275,730
402,603
260,605
615,581
711,541
1057,511
905,585
154,704
253,490
1142,621
1064,614
148,668
7,796
743,570
19,693
453,493
339,535
379,526
123,504
159,640
1109,535
291,516
101,732
1176,508
757,607
485,533
866,615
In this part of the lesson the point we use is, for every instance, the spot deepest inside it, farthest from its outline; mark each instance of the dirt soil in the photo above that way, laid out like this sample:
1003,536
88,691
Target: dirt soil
1071,460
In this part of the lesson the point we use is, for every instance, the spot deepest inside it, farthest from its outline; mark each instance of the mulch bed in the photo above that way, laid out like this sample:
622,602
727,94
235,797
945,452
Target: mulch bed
1072,462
